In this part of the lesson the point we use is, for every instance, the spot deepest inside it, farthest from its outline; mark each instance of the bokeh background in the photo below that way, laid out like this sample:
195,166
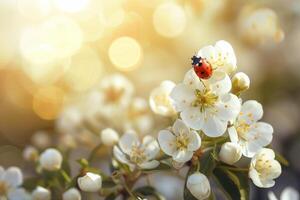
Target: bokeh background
53,52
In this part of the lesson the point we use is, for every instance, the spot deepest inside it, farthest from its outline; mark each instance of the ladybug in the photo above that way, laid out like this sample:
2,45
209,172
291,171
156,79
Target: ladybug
201,67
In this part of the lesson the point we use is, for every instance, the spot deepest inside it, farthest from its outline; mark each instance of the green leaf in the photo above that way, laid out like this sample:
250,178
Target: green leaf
147,191
235,184
108,183
281,159
207,163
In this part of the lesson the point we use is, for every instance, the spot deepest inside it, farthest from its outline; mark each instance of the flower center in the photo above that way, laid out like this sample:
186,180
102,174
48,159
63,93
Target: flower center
204,99
137,154
242,130
113,95
182,141
264,167
162,100
3,188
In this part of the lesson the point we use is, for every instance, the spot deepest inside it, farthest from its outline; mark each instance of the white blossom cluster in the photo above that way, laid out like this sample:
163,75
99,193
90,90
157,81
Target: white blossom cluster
208,118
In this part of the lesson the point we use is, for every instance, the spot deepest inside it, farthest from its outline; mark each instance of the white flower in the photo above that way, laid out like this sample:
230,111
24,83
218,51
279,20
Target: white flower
250,134
51,159
72,194
69,120
30,153
230,153
206,107
198,185
138,116
260,26
115,93
41,193
264,168
134,153
288,193
91,182
240,82
221,56
160,101
109,136
180,142
10,181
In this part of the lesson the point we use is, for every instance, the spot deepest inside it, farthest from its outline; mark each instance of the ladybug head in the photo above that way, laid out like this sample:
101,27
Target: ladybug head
196,60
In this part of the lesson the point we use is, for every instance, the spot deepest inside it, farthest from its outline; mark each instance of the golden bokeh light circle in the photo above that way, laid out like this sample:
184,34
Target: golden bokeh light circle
125,53
169,20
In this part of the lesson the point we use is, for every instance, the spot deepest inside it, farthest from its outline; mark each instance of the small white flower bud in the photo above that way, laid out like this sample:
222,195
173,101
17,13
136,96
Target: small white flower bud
41,193
198,185
41,139
230,153
51,159
109,137
30,153
240,82
90,182
72,194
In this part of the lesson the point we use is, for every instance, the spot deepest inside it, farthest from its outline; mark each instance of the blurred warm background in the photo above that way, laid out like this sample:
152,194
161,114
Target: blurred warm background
53,52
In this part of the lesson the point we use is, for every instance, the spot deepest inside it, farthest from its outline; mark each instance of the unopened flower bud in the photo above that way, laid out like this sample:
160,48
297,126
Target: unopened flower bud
240,83
30,153
230,153
72,194
51,159
41,193
90,182
109,137
198,185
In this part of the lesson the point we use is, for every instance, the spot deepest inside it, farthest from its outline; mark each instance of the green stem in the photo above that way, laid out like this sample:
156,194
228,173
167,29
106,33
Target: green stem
236,169
94,152
65,176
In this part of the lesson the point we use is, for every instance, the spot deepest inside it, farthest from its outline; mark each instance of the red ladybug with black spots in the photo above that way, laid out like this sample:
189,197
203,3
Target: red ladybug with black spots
201,67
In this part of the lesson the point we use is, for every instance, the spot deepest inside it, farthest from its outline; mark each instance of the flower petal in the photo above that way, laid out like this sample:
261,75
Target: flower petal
183,96
194,141
151,147
179,127
149,165
289,193
214,127
192,81
167,142
193,118
18,194
220,82
228,107
127,140
251,112
120,156
182,156
208,52
233,134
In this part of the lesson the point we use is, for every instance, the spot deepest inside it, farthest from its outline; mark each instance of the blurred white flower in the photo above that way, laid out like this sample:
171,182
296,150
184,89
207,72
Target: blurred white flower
134,153
72,194
41,193
250,134
30,153
230,153
109,137
41,139
264,168
160,101
69,120
51,159
138,116
260,26
198,185
67,141
206,105
10,181
115,93
90,182
180,142
240,82
288,193
221,56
